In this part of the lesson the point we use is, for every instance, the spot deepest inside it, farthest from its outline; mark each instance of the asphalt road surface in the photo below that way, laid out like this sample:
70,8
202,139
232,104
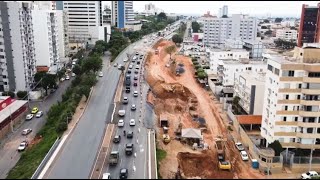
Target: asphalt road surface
9,155
78,154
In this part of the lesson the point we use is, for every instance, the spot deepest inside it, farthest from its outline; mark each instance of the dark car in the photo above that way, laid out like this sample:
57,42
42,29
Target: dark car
128,89
130,134
129,71
116,139
138,62
123,173
135,83
129,149
136,71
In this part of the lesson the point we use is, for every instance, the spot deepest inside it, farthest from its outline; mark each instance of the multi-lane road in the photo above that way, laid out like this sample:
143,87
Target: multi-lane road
78,154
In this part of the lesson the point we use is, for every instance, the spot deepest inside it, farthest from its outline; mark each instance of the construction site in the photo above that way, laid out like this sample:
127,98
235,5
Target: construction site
189,121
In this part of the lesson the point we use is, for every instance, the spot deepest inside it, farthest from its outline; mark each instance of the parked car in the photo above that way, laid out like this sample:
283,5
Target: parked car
123,173
121,123
26,131
119,66
115,65
135,93
29,117
39,114
132,122
122,112
116,139
224,165
244,155
100,74
129,71
23,145
130,134
309,175
67,77
133,107
130,66
239,146
125,100
34,110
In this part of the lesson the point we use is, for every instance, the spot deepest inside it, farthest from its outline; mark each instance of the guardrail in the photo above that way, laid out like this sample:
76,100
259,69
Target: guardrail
45,159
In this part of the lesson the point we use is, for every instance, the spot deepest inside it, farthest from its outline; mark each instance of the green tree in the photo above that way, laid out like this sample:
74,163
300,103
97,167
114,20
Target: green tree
89,79
177,39
9,93
76,69
195,26
84,90
264,27
162,16
235,104
278,20
48,81
93,63
202,75
170,50
22,94
38,76
60,74
277,147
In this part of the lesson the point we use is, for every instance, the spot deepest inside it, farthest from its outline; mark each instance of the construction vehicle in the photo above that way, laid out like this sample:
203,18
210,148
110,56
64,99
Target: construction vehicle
225,165
166,138
164,121
220,149
114,158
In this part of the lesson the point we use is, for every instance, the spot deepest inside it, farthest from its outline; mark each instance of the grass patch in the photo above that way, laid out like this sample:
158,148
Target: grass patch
161,154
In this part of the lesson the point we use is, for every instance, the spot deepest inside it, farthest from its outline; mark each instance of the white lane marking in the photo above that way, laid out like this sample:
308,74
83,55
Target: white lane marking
149,160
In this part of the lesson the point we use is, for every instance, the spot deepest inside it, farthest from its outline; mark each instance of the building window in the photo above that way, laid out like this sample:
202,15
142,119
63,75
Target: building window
270,68
291,74
286,108
284,119
287,96
295,119
298,96
309,130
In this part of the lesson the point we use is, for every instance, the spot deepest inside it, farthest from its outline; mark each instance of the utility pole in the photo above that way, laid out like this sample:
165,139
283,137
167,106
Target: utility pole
11,123
310,162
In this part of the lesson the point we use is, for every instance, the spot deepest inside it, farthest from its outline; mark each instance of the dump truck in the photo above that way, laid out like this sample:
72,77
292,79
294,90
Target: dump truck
220,149
114,158
164,121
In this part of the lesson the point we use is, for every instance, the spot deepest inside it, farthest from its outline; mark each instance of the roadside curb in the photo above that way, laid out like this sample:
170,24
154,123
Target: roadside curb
65,138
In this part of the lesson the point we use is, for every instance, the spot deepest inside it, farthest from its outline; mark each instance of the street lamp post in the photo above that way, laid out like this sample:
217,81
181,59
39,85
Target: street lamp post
11,123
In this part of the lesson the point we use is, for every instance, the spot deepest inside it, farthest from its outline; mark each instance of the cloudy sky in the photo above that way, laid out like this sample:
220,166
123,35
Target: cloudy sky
260,8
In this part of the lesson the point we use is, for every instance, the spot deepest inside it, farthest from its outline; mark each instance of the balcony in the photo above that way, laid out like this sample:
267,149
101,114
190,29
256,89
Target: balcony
311,79
286,123
309,113
289,90
299,79
283,112
288,101
307,135
310,91
299,145
310,102
285,134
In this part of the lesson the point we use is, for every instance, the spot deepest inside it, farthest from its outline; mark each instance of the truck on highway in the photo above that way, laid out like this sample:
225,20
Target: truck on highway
114,158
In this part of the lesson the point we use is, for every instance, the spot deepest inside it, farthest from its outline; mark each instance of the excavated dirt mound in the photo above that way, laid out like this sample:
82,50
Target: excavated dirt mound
202,166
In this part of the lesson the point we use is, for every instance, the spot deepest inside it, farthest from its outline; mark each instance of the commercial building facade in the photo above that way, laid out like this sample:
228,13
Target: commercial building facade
309,29
123,16
287,34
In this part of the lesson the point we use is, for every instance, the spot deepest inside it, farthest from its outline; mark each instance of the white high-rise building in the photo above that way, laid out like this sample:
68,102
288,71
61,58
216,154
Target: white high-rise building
45,5
85,23
17,49
287,34
225,10
291,111
123,16
217,30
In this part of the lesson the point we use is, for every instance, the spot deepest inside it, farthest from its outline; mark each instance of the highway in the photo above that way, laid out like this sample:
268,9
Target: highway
78,154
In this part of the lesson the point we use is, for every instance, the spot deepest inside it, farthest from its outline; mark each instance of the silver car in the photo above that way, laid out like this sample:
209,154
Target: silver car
39,114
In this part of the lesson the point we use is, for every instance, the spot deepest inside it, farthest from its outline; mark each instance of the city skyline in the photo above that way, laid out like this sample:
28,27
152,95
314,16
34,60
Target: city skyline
261,8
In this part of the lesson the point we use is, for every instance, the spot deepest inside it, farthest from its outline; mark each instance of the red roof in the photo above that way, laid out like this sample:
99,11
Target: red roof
249,119
42,69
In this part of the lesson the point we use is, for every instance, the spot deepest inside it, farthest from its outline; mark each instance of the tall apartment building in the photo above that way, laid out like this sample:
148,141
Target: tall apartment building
123,15
223,11
17,50
217,30
107,15
287,34
48,5
254,47
291,111
309,29
85,23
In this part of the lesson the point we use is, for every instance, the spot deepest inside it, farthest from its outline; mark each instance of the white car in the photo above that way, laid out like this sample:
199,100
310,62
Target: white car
244,155
62,79
39,114
67,77
115,65
100,74
135,94
26,131
122,112
73,74
23,145
134,58
121,123
132,122
125,60
106,176
309,175
29,117
119,66
239,146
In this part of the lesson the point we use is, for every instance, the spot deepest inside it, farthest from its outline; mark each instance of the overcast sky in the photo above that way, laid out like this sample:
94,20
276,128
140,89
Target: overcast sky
261,8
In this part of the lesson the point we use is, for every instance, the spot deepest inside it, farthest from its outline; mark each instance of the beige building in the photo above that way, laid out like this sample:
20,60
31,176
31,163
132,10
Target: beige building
291,111
250,89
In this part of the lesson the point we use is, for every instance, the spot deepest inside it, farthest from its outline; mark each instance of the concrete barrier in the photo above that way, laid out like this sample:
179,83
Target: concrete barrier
45,159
